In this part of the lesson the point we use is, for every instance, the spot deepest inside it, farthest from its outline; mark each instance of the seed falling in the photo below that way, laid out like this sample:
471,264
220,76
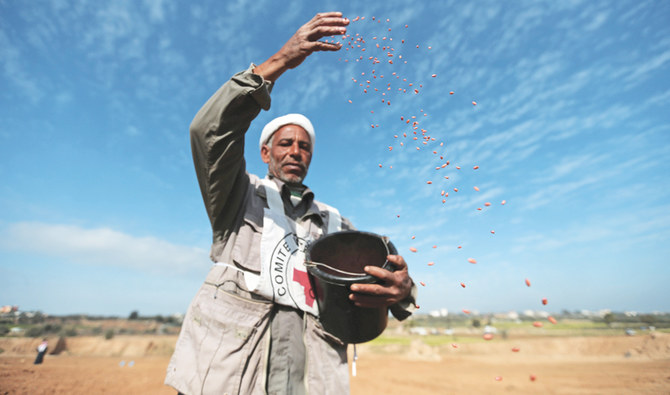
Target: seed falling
472,260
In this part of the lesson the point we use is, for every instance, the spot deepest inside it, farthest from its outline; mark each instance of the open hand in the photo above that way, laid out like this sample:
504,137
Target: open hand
394,286
303,43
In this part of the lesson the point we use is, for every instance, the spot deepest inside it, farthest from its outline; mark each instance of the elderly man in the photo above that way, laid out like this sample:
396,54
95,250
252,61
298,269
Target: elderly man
246,331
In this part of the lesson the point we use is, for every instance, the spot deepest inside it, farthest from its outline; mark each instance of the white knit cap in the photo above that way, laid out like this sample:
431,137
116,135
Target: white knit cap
288,119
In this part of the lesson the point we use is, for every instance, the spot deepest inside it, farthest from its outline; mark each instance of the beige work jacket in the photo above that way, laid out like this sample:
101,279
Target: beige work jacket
223,344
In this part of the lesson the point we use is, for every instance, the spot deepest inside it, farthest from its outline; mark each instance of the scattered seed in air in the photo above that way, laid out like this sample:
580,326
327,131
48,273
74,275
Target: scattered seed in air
516,349
528,282
431,263
488,336
537,324
412,248
463,285
552,320
422,283
466,311
544,301
471,260
476,189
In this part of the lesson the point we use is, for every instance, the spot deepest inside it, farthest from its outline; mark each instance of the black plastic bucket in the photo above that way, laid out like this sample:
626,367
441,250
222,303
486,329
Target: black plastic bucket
335,262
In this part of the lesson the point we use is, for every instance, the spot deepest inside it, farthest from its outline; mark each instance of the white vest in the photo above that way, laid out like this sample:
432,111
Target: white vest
283,277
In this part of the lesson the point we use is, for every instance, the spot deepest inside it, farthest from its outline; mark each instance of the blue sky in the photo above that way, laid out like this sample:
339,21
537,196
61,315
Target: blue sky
99,206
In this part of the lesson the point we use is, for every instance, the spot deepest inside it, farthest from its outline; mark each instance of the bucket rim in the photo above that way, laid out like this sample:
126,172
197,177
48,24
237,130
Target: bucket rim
364,278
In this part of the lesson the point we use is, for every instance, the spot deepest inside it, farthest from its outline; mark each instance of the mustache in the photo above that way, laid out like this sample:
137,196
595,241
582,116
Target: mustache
294,163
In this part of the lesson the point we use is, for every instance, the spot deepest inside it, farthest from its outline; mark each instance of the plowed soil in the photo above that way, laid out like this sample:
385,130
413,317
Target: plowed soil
559,365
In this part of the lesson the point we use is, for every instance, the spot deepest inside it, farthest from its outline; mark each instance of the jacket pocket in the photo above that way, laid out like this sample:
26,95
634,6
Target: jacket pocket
247,249
220,349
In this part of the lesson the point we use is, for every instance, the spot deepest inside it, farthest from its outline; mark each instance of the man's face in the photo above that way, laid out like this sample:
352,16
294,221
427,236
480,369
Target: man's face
290,154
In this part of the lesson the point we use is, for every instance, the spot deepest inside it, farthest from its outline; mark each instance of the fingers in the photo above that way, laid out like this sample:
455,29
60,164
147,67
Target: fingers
324,46
398,261
374,295
327,19
324,25
393,286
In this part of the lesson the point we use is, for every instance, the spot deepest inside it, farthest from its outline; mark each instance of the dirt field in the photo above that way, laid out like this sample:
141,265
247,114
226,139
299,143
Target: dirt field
561,365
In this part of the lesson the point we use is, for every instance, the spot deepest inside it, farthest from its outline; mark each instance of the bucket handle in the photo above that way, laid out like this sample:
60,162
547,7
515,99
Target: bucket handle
313,264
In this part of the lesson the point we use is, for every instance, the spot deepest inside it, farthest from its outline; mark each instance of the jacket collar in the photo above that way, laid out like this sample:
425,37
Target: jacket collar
307,198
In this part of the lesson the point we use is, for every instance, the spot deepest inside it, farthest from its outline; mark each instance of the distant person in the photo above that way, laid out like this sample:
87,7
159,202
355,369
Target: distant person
41,350
239,335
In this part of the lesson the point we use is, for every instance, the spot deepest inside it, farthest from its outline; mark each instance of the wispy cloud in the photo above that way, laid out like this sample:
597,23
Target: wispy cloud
103,247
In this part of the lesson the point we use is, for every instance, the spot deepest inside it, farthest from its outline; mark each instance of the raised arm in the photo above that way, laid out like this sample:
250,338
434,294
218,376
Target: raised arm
218,129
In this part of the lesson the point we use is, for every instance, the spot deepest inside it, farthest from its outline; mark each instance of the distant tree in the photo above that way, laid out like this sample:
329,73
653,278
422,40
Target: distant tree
476,323
35,331
648,319
70,332
609,319
134,315
109,334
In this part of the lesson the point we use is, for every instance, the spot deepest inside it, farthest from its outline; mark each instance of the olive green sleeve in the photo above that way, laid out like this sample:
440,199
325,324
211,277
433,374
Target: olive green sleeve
217,143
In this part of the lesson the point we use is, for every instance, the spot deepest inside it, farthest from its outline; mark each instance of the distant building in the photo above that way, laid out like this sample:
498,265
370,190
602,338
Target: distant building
8,309
439,313
419,330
